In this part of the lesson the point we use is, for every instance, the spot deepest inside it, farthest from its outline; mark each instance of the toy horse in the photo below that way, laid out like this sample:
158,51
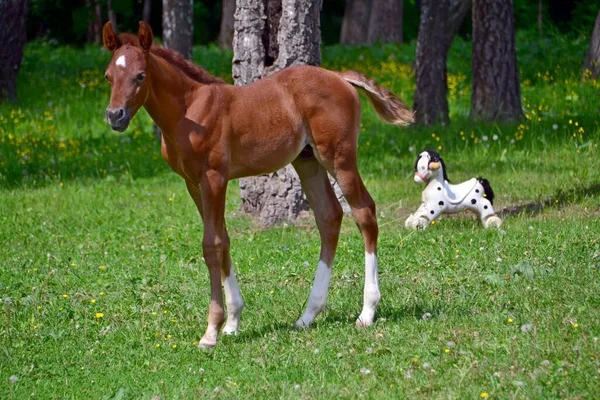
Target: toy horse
441,197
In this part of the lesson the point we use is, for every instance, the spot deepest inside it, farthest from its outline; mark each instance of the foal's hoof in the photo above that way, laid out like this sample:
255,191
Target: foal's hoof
207,343
230,330
301,324
362,323
493,222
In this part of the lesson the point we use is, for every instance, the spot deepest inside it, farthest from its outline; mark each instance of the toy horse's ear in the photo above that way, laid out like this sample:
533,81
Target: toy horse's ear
145,36
434,166
110,38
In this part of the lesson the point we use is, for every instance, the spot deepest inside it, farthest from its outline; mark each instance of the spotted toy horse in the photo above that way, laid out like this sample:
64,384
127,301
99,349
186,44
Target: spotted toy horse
441,197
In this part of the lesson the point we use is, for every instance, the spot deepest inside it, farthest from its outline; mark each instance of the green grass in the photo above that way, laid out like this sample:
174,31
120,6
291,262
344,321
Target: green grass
104,293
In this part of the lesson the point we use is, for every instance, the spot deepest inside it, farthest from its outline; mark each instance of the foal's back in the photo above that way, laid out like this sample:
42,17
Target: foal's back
270,121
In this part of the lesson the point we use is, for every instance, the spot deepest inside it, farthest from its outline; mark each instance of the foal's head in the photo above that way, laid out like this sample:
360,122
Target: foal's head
127,74
429,165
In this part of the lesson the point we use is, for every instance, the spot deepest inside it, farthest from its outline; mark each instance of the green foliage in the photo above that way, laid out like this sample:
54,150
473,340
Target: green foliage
104,293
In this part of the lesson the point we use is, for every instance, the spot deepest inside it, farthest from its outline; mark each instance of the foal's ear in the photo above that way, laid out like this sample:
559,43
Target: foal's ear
145,36
110,38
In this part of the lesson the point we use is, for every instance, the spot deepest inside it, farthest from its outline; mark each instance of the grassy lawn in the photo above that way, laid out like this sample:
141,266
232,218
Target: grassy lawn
104,293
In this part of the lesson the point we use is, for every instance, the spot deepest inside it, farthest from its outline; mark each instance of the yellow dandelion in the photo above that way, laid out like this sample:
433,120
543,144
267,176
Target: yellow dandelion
102,267
157,345
575,325
65,296
510,320
93,301
98,315
169,336
102,293
484,395
174,346
447,351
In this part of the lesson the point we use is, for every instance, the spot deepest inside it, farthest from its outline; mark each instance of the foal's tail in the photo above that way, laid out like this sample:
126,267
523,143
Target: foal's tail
390,108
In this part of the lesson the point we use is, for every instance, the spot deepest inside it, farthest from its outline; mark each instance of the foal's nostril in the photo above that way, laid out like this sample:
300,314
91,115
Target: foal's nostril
115,114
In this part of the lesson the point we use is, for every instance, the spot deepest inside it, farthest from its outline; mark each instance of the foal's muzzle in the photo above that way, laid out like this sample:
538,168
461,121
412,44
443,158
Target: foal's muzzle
118,118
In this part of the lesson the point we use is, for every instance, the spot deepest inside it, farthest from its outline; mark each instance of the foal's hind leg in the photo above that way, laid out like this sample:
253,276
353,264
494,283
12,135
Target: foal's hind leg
363,211
328,215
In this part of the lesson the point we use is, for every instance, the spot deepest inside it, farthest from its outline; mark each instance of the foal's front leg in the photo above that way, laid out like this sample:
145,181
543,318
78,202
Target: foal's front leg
215,246
233,296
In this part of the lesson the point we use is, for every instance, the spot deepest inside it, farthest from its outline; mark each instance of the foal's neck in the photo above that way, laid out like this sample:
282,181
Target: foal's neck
170,94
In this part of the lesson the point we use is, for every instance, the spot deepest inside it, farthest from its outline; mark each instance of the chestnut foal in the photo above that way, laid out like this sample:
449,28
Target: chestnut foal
213,132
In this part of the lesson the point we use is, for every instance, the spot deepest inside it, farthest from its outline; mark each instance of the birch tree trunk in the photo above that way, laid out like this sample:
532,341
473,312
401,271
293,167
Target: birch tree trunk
269,36
592,58
178,26
13,34
496,90
385,22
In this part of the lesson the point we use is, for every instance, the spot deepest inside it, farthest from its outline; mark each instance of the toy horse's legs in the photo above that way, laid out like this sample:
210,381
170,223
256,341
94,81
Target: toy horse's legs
233,296
486,213
328,215
419,219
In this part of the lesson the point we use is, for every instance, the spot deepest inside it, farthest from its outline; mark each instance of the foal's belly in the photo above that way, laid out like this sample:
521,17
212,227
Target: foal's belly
265,153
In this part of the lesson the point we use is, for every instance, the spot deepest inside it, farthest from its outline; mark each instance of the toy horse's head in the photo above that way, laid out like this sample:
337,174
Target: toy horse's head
429,165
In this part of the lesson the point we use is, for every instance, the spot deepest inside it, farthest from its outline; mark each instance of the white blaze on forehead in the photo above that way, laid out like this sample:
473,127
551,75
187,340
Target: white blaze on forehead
121,62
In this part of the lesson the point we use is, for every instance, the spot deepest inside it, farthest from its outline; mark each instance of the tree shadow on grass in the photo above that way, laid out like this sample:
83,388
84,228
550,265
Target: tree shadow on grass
559,199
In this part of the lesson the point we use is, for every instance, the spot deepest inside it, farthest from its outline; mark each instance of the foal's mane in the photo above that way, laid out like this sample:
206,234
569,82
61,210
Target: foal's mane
190,69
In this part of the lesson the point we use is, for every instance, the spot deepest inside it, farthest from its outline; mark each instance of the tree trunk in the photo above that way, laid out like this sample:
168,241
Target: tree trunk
269,36
112,16
178,26
496,91
385,22
458,11
13,34
355,25
94,33
227,20
592,58
430,102
147,11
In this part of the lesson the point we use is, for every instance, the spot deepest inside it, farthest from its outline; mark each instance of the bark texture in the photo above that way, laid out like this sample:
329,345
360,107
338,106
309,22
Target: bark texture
178,26
430,102
385,22
227,20
496,90
355,25
270,35
13,34
592,58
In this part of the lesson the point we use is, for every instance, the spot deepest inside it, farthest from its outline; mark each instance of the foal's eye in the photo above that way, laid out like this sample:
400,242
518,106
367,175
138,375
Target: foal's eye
106,77
141,76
